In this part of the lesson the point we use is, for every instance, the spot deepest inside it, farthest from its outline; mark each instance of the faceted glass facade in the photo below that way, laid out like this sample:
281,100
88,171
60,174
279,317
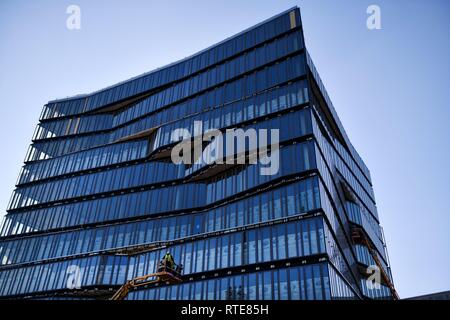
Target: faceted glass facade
99,194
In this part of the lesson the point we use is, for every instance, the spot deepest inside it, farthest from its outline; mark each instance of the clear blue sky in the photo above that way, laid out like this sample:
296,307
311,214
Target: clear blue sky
389,86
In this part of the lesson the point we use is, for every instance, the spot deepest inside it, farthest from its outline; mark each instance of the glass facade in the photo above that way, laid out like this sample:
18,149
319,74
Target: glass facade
99,193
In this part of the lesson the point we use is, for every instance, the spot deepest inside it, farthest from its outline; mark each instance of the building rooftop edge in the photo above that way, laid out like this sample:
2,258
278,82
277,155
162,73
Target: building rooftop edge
82,95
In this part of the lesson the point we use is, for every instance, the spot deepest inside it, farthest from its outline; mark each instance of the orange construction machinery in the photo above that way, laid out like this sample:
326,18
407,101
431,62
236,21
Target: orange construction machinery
165,274
359,236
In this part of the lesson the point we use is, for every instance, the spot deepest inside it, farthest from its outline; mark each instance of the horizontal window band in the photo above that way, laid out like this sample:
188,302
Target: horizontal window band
243,195
169,84
149,157
220,84
233,271
155,185
134,250
198,93
50,149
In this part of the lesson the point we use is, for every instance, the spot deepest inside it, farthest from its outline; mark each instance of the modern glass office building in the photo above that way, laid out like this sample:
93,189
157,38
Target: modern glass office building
99,200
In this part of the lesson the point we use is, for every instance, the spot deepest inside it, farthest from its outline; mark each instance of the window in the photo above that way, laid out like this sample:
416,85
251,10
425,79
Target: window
238,249
187,260
309,283
313,236
199,262
266,256
264,208
108,270
294,284
267,292
290,201
317,282
251,251
212,254
291,240
281,241
223,288
225,251
251,286
305,240
211,290
284,285
277,209
197,224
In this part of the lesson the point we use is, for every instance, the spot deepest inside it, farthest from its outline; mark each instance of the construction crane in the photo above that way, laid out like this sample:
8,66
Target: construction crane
359,236
167,272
